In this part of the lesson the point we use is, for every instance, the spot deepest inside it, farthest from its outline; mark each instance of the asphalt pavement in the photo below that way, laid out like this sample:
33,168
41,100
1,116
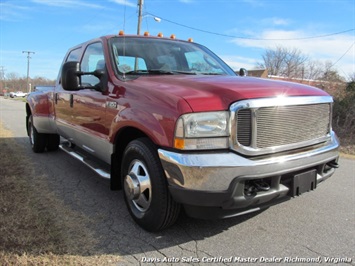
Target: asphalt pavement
317,227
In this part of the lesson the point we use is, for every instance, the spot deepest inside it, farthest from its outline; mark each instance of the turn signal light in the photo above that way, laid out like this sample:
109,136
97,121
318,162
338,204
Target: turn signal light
179,143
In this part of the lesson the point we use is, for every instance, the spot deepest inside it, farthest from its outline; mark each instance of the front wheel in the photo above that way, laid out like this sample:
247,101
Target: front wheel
145,187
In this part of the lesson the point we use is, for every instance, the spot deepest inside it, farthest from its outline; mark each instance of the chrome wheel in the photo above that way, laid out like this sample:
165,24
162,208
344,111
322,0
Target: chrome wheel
31,134
137,186
145,187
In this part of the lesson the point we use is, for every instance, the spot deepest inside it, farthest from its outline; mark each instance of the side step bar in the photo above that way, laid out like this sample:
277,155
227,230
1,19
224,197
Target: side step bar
101,171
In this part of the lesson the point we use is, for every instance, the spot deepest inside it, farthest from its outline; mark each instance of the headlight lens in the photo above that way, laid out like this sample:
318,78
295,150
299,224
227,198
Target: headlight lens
208,130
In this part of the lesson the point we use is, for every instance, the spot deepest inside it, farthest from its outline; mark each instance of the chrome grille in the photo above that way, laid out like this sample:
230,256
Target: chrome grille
269,125
244,127
285,125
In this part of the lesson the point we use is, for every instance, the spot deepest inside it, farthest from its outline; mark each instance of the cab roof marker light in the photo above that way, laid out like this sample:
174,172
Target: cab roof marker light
146,34
160,35
172,36
190,40
121,33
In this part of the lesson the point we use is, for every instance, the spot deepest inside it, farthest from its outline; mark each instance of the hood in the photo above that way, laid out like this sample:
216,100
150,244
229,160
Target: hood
209,93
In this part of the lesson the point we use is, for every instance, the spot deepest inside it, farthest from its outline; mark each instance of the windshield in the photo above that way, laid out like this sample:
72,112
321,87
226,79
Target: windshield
150,56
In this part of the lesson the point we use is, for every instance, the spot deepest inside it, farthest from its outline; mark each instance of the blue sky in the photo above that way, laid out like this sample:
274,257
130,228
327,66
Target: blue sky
234,29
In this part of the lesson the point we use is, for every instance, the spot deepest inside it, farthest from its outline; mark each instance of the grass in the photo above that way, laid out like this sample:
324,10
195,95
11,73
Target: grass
348,155
19,99
36,228
347,148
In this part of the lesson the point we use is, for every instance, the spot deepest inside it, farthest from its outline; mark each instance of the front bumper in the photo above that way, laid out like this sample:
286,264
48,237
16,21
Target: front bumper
212,184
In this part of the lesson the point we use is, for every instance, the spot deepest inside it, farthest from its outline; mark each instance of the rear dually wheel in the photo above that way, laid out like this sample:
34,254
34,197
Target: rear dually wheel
38,141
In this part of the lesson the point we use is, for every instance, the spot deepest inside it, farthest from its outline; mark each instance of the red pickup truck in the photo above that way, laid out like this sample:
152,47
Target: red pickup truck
176,128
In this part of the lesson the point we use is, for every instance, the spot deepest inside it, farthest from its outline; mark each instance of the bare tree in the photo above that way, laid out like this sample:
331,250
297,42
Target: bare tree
314,70
274,60
294,63
16,83
285,62
330,74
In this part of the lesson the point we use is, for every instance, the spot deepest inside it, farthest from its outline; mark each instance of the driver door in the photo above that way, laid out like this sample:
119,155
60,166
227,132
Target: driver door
89,106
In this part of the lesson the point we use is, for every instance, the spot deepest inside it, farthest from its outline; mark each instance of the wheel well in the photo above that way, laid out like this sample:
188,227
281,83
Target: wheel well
122,139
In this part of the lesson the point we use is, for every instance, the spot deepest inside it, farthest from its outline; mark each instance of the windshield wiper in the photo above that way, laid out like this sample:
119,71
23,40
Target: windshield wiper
170,72
149,71
184,72
159,71
214,74
138,71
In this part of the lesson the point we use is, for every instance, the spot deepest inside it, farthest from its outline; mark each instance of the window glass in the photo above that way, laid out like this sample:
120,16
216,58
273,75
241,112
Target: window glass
168,61
151,56
93,59
74,55
200,63
127,63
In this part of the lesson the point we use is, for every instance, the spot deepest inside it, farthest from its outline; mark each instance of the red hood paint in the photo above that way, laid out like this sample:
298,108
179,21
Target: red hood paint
208,93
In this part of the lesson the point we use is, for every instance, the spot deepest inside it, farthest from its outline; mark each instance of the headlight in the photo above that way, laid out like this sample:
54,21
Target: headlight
209,130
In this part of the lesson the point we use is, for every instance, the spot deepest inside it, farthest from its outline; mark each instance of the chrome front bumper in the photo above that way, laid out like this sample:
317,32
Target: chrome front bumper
213,179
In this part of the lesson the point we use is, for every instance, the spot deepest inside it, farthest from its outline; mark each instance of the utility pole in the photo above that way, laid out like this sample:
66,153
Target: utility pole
28,68
140,7
2,78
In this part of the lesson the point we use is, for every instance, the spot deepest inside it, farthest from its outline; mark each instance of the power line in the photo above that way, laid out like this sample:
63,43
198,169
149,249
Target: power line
344,54
251,38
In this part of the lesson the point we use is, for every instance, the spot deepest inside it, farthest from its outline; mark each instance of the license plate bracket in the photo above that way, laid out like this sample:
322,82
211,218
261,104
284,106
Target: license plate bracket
304,182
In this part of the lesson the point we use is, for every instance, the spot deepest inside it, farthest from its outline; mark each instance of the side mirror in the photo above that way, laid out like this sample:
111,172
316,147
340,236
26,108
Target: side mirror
70,77
99,73
243,72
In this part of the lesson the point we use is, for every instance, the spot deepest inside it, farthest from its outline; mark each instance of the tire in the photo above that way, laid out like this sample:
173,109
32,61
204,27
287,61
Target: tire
145,187
38,141
53,141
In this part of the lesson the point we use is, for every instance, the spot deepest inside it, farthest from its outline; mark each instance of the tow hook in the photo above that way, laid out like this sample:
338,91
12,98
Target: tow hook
333,164
253,186
261,185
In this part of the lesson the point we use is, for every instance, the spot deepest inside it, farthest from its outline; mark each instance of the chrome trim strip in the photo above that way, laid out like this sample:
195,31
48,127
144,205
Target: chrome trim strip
242,213
280,101
88,149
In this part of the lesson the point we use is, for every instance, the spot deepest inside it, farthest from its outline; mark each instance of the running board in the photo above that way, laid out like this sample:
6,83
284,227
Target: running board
87,161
